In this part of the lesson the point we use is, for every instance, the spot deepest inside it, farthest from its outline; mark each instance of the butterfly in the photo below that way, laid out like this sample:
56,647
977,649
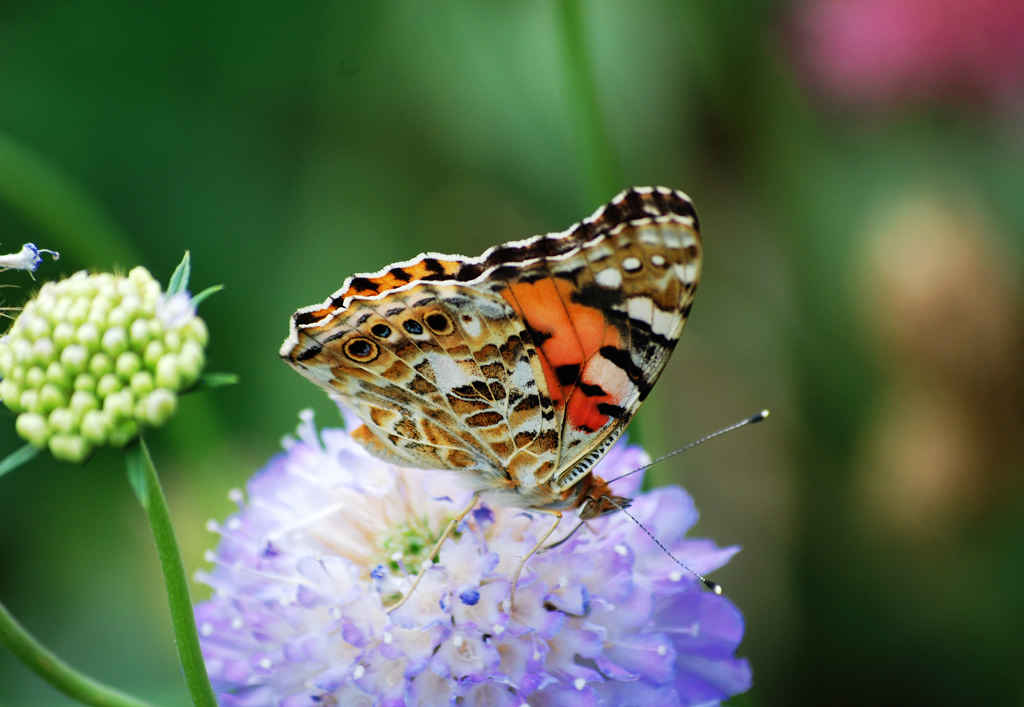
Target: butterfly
520,367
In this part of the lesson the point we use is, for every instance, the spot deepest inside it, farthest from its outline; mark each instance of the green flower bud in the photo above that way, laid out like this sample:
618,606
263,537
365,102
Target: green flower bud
93,357
29,400
82,402
167,374
142,383
197,331
43,350
22,350
100,364
114,341
119,405
62,420
138,334
56,374
128,364
190,361
172,341
123,432
78,312
32,427
108,384
95,426
63,334
88,335
71,448
35,377
36,327
154,351
52,396
85,381
158,406
10,393
74,358
124,314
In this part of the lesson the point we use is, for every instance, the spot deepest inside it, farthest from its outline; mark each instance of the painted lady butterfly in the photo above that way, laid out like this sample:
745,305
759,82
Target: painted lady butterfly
522,366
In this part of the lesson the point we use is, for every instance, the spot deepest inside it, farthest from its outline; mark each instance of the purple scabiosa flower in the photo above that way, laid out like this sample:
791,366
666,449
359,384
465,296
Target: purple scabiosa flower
329,536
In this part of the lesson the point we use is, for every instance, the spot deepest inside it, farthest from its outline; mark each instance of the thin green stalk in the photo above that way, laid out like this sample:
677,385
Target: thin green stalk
55,671
601,164
144,480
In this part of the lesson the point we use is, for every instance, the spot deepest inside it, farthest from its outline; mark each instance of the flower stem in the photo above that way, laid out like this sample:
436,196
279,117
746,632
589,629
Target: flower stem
55,671
596,151
143,477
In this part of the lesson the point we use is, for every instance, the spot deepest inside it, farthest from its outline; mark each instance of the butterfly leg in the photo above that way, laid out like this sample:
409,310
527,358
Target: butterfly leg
449,529
538,546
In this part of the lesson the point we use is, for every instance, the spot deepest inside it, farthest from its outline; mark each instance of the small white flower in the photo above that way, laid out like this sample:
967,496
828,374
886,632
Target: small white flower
28,258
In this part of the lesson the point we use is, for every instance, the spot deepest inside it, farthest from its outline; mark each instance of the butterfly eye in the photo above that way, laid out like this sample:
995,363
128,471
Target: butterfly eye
412,326
361,350
440,323
381,331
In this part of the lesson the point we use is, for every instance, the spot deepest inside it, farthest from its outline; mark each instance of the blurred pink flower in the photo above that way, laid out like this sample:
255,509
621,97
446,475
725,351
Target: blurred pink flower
881,50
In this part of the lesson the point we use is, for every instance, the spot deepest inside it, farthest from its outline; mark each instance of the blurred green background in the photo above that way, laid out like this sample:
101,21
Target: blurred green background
862,208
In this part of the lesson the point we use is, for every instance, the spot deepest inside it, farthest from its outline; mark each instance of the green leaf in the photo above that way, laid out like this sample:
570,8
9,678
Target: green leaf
135,464
212,289
217,380
179,278
19,457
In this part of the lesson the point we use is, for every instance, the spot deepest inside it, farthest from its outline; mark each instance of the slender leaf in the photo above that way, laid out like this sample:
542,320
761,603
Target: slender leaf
179,278
212,289
19,457
217,380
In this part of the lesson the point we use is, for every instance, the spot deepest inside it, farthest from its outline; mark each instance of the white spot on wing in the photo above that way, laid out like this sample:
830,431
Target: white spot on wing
632,264
471,327
640,308
664,323
609,277
447,371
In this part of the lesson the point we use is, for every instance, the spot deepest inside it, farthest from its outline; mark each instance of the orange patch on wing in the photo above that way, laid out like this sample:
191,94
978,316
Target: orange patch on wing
575,334
583,411
362,286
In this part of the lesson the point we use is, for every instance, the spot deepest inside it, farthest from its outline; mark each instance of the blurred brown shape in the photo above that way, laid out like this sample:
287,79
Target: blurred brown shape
943,315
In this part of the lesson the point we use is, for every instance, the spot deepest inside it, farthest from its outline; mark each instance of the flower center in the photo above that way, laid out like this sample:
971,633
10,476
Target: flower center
405,546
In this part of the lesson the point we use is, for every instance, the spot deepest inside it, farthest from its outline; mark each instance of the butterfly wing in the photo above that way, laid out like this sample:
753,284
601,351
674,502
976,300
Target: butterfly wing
524,364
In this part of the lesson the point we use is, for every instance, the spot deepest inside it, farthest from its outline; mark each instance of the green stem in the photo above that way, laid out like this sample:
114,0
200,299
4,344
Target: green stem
143,477
55,671
596,151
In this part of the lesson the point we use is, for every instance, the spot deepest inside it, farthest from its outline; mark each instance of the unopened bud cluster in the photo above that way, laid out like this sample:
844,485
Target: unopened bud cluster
92,358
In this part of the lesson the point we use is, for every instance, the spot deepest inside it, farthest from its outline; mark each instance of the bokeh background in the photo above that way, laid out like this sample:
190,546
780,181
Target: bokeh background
858,168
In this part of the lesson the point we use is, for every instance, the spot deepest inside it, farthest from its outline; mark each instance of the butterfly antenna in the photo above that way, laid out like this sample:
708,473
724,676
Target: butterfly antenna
696,443
709,583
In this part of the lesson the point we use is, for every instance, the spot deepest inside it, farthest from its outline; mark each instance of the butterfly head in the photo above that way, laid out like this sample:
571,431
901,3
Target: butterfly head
597,499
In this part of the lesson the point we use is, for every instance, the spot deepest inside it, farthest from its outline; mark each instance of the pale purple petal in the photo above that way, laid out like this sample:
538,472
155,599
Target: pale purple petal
328,537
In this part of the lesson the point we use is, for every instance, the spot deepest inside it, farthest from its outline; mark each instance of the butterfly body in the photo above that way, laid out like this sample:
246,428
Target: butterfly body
520,367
